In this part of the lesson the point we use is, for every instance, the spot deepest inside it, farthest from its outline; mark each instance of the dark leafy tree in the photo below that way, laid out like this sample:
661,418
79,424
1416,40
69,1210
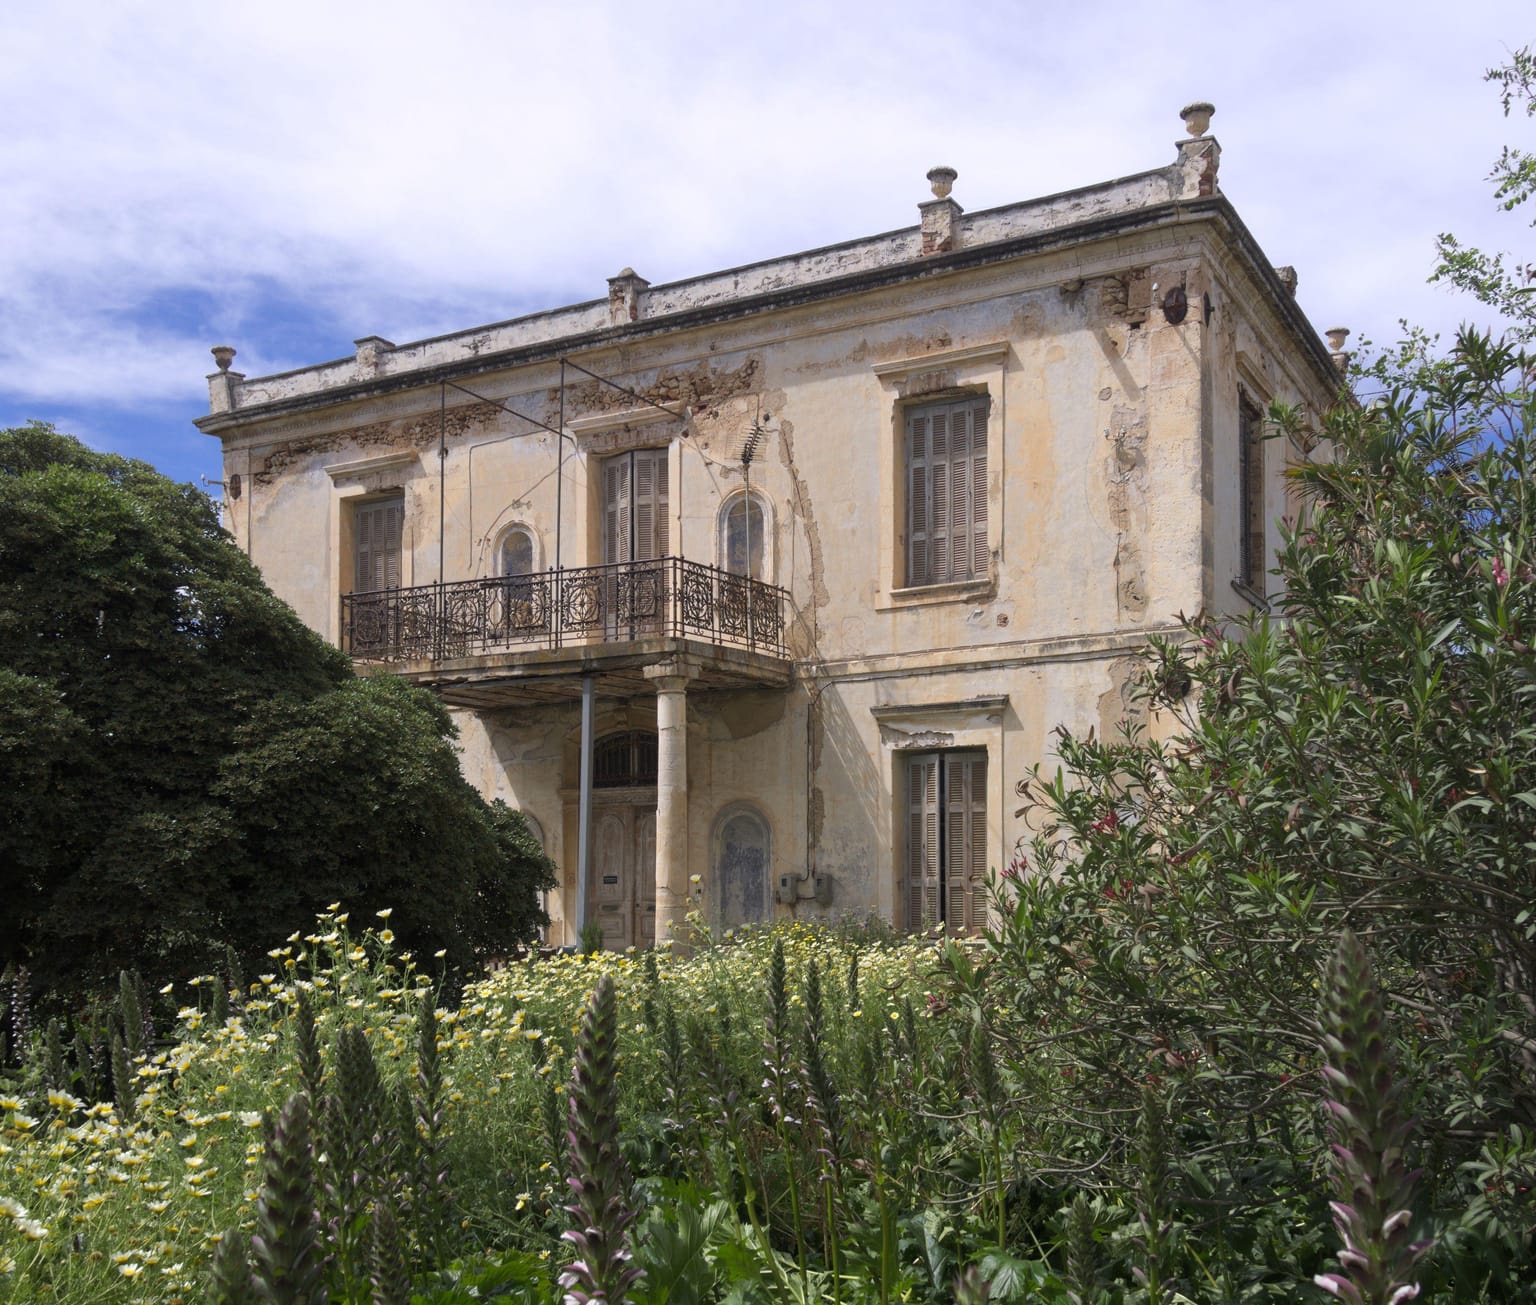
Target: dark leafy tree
187,764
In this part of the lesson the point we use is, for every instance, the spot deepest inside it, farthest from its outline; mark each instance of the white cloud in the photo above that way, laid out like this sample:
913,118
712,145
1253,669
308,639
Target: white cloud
392,166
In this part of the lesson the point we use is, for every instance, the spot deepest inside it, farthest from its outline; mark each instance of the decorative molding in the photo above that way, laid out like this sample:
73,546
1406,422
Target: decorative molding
950,591
1251,376
922,741
991,703
604,421
365,466
947,358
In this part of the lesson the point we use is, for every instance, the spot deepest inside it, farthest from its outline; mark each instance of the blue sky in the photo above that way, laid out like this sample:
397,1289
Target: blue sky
286,178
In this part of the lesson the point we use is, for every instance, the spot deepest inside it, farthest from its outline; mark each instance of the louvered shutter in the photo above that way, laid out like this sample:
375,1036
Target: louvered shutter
940,480
917,499
979,559
377,528
965,841
617,539
650,504
923,904
947,492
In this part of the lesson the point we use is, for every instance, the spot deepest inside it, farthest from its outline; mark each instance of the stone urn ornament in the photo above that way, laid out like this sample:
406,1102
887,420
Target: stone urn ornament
1197,118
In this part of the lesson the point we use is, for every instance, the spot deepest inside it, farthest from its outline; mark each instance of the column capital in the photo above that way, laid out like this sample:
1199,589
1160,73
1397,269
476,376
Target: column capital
673,673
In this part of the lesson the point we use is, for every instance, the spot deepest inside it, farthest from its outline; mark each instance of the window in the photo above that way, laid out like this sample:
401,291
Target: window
634,489
1251,550
946,854
515,557
741,867
624,760
741,536
377,526
946,466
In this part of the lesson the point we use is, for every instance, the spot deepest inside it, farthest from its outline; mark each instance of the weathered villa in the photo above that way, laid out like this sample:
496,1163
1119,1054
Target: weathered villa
758,591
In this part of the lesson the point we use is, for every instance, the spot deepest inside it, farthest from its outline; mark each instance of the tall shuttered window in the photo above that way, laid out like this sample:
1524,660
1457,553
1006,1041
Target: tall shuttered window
1251,551
635,506
946,881
377,525
946,450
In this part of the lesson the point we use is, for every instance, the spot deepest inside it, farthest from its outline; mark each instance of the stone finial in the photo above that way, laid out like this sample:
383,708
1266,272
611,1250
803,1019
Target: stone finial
1197,118
625,297
1288,278
942,181
223,355
1336,350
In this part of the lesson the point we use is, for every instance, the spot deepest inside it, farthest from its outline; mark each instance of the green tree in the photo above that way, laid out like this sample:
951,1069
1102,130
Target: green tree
154,692
1365,758
1507,287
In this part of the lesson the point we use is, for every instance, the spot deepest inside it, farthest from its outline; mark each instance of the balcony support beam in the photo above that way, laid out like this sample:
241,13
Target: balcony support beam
671,679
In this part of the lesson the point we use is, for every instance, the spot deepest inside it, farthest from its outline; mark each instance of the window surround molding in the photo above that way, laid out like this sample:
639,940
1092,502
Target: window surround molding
597,422
974,724
975,371
728,502
354,482
727,813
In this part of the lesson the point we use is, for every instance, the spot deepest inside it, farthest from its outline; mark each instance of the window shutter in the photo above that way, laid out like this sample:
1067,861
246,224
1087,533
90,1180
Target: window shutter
1251,550
947,492
980,558
616,510
923,903
389,546
941,480
965,842
918,570
362,525
377,528
650,504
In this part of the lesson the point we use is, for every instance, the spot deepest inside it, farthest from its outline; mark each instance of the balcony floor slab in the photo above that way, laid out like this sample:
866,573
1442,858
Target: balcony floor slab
492,681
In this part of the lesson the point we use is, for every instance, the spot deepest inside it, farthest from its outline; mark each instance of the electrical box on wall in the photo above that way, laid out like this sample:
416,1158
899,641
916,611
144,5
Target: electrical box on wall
822,884
787,894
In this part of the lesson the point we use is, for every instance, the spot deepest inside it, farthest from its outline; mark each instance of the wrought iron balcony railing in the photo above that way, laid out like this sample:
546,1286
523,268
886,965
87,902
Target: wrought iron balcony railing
663,597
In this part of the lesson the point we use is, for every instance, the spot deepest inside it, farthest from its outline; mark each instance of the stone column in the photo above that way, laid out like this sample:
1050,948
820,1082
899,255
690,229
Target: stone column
671,680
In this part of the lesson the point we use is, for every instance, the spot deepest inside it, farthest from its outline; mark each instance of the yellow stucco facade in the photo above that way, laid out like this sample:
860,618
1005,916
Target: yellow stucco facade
989,455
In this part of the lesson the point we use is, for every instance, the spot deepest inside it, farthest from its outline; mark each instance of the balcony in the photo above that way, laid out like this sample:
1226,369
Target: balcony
512,639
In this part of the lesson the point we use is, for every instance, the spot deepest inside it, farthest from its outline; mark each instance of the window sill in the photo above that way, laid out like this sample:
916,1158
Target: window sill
953,591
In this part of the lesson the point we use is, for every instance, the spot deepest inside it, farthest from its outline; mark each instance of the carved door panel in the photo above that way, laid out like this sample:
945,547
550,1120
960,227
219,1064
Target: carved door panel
645,877
611,894
622,894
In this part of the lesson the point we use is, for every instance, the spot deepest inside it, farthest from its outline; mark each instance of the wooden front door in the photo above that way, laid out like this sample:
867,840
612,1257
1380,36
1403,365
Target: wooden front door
622,893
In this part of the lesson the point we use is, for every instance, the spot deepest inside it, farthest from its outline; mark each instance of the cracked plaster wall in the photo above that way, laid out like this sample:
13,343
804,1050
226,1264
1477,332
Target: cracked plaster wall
1110,484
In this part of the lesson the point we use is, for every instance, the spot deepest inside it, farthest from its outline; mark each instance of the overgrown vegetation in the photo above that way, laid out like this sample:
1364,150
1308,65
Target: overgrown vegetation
1277,945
